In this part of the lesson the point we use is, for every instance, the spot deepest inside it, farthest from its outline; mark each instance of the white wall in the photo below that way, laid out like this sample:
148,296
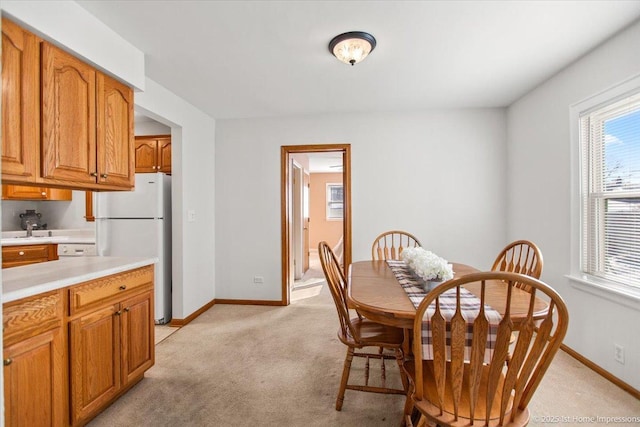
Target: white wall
540,193
438,174
150,127
192,189
56,214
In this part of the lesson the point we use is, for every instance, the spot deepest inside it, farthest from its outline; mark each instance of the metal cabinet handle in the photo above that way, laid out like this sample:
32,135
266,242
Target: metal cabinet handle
104,175
93,174
123,287
126,309
44,193
21,253
7,362
118,313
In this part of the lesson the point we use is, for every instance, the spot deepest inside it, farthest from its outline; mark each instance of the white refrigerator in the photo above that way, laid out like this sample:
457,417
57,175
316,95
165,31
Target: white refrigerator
138,223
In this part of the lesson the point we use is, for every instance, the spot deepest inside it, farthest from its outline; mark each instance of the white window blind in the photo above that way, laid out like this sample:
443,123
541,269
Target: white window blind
610,147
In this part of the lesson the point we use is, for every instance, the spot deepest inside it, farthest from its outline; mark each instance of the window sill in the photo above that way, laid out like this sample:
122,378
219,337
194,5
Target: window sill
620,294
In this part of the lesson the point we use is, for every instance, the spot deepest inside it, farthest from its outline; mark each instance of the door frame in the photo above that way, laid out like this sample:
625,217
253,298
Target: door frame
285,197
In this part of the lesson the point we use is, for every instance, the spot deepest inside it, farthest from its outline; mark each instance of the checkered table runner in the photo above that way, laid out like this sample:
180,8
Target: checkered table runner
469,304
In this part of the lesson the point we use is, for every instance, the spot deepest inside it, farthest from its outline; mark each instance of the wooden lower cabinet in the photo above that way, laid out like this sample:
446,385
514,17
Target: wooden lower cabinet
136,337
30,386
111,344
63,369
33,358
95,368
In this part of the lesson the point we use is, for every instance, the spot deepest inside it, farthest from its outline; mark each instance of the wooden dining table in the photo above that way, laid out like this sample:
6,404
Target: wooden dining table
374,291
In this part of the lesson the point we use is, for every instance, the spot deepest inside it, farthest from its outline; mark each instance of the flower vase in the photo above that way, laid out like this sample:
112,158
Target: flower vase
430,285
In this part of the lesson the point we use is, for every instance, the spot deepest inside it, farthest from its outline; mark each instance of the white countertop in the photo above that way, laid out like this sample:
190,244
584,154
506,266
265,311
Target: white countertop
15,238
16,241
28,280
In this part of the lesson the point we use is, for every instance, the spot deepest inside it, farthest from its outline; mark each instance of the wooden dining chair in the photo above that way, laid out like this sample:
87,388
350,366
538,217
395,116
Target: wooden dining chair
521,256
390,244
358,333
457,388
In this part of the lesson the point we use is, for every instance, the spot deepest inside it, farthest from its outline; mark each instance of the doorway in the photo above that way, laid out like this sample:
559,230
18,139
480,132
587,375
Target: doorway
295,221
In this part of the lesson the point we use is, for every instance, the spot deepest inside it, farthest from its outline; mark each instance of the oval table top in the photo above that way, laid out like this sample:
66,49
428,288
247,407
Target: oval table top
372,289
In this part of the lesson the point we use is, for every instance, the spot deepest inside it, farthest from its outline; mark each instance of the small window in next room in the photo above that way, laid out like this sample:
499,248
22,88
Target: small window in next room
335,201
610,196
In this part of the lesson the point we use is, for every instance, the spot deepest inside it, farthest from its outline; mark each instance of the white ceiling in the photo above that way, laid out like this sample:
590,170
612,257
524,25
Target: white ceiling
237,59
325,162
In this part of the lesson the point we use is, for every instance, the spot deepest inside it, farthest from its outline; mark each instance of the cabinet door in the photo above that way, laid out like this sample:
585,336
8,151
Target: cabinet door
115,133
146,154
23,192
33,381
20,103
164,155
68,118
138,349
95,361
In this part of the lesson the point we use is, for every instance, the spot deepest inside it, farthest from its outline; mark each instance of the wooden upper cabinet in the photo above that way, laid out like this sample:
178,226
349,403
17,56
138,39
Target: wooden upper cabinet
115,133
145,155
23,192
153,153
68,117
164,155
64,123
20,103
87,124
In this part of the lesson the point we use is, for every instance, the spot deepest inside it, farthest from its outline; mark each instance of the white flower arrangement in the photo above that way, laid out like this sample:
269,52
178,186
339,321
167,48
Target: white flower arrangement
426,264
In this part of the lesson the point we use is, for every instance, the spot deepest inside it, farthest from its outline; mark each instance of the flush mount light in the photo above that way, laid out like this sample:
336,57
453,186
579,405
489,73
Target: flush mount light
352,47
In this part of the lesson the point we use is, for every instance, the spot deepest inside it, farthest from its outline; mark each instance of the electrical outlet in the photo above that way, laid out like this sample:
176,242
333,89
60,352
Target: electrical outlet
258,279
618,354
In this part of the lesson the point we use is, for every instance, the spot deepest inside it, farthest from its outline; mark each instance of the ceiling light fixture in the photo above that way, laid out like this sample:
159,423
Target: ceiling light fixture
352,47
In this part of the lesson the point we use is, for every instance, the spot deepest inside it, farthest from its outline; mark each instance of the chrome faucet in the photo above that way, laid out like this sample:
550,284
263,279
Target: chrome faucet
29,228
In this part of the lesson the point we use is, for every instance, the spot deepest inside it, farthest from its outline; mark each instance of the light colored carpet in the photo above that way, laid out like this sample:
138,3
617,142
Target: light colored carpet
281,366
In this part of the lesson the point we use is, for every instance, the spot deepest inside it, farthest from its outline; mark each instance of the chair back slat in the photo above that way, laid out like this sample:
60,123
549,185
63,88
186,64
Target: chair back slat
439,337
478,348
494,392
545,337
515,364
520,256
500,356
390,244
337,285
458,338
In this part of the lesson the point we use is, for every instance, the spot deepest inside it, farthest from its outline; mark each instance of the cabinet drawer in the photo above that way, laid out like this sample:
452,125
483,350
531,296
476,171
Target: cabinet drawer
28,316
25,253
13,256
94,292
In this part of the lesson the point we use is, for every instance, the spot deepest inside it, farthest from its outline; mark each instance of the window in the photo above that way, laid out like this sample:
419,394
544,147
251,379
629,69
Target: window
610,197
335,201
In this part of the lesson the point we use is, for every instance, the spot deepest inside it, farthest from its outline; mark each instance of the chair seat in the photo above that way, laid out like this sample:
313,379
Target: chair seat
372,334
429,403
